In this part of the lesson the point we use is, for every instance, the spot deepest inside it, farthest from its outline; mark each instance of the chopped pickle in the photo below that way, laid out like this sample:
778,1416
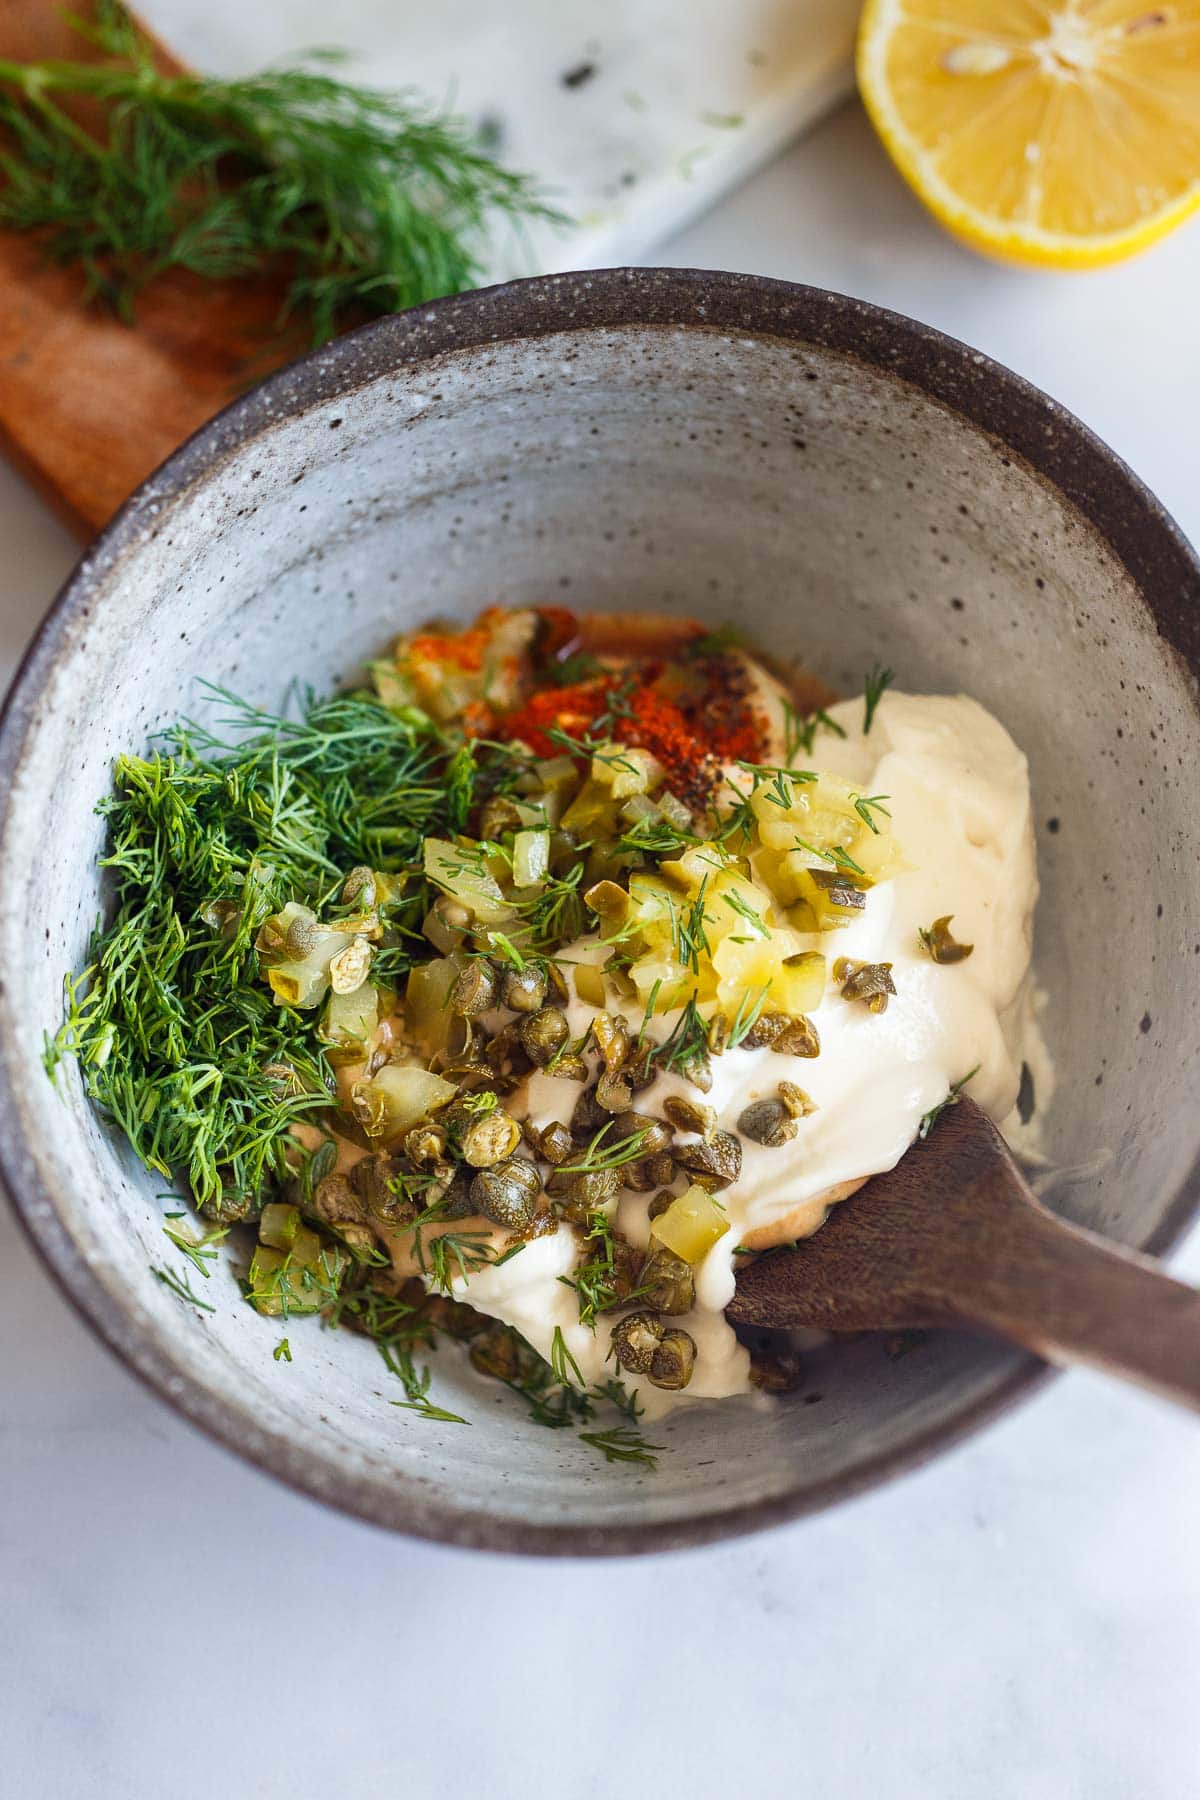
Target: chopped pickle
462,871
624,771
691,1225
278,1225
396,1098
349,1020
531,858
300,1279
427,1015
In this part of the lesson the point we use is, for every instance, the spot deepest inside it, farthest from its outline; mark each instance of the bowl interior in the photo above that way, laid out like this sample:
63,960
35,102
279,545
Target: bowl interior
838,514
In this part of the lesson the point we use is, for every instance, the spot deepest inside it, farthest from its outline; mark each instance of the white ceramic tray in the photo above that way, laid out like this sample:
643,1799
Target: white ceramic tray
635,114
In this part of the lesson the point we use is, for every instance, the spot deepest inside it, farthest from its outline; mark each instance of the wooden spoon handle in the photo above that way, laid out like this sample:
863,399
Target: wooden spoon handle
1074,1297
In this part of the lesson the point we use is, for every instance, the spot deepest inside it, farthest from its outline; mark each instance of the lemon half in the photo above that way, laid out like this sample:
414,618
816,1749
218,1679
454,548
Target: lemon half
1065,135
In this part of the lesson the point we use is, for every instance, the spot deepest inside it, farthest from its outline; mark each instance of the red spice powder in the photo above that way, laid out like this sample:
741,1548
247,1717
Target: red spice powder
691,741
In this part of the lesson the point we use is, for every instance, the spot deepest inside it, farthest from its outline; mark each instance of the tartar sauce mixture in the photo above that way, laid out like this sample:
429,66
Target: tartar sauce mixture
519,997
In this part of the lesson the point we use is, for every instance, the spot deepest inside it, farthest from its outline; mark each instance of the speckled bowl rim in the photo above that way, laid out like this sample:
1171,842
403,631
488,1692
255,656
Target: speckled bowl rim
1023,423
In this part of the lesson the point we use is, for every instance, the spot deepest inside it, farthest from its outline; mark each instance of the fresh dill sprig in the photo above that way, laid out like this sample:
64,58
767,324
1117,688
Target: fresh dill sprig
177,1040
746,1017
600,1156
687,1044
800,734
199,1251
566,1370
875,685
841,859
397,1329
930,1119
361,201
622,1444
866,804
594,1282
182,1286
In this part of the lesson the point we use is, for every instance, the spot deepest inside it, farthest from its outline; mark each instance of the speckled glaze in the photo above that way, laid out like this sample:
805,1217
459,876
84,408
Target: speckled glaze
844,484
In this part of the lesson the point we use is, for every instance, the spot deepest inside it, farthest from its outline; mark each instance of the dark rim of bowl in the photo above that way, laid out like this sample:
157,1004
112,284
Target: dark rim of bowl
1022,421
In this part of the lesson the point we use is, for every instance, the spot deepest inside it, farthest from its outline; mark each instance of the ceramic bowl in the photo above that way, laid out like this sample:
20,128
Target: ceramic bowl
845,485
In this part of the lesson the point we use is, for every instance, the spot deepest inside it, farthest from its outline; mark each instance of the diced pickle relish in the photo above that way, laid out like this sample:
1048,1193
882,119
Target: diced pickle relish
482,994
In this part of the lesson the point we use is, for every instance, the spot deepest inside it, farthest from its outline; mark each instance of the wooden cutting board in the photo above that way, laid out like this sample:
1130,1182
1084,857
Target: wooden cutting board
633,116
88,407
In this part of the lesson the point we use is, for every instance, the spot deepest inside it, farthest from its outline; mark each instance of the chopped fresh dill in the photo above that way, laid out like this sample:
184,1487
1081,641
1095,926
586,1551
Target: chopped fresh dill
566,1369
800,734
865,805
622,1444
199,1251
745,911
688,1043
361,201
841,859
282,1351
182,1286
599,1155
744,1020
177,1040
875,684
930,1119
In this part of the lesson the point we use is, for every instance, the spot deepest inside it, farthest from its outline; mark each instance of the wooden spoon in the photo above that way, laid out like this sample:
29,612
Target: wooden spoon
954,1236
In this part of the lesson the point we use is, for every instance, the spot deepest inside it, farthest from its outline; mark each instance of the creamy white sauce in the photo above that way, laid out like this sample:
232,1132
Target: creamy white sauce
958,794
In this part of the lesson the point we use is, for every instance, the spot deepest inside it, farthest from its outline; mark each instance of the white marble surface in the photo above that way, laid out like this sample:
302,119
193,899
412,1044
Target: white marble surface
1020,1621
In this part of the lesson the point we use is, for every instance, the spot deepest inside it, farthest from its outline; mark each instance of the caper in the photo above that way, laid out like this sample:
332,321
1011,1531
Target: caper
619,1264
871,982
635,1338
643,1347
570,1067
672,1363
613,1092
686,1115
668,1284
661,1168
555,1143
506,1053
524,990
720,1157
303,935
941,942
425,1143
454,1199
576,1192
335,1201
587,1118
798,1103
767,1122
507,1193
372,1178
543,1034
446,923
557,984
661,1201
498,815
656,1135
359,886
489,1139
789,1034
474,990
636,1176
611,1033
230,1207
470,1073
